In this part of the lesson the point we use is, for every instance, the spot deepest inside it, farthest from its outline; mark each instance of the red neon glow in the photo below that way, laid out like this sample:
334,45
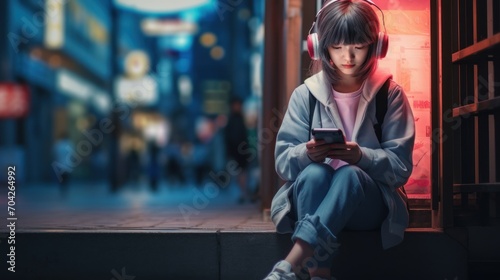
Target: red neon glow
408,27
14,100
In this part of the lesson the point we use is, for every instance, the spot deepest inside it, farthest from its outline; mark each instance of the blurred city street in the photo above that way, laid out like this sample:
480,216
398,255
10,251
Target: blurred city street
112,116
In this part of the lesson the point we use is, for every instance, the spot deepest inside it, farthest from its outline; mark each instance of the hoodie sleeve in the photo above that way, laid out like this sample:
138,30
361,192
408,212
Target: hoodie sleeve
392,164
290,153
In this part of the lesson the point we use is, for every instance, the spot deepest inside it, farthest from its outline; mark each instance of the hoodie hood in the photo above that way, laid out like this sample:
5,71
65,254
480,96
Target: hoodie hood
319,87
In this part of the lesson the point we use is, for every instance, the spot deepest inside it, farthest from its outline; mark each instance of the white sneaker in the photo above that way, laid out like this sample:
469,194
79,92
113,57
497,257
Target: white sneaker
282,270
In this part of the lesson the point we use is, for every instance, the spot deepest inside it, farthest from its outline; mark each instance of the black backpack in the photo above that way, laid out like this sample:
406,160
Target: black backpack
380,111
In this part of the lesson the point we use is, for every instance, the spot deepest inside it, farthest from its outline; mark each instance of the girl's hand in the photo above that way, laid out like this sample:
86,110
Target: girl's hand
317,150
348,152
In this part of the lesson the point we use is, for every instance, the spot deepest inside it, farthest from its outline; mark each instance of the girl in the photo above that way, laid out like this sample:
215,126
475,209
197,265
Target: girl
356,185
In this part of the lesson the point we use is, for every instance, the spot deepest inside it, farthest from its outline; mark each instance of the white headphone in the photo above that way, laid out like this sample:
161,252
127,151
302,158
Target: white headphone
313,39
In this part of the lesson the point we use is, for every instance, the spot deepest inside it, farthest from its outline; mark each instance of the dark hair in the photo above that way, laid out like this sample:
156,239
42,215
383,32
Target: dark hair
347,22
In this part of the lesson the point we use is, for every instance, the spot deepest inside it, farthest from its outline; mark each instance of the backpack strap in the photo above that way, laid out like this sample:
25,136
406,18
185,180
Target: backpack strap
312,105
381,108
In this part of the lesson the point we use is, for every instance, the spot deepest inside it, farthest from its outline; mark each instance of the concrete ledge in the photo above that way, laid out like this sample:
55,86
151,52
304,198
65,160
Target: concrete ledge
245,255
221,255
484,243
423,255
100,255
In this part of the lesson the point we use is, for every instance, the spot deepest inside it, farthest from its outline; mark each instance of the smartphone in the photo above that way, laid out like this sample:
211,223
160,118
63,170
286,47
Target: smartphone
330,135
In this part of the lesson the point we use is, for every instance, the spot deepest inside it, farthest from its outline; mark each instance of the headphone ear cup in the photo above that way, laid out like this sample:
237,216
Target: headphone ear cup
313,46
382,45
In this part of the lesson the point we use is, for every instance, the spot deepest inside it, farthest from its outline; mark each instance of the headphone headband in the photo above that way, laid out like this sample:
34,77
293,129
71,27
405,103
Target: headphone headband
333,1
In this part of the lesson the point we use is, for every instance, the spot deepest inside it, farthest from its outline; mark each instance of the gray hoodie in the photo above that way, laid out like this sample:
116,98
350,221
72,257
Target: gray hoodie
388,163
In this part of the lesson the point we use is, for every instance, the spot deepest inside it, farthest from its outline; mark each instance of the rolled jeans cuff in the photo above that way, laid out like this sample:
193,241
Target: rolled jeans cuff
319,237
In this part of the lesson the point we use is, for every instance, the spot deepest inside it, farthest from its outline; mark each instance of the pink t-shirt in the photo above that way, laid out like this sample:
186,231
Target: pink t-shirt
347,103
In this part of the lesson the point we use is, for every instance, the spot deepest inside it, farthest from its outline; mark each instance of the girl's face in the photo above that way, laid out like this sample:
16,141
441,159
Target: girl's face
348,58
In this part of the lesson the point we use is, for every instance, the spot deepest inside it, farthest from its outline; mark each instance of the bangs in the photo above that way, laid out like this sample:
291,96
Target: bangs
349,30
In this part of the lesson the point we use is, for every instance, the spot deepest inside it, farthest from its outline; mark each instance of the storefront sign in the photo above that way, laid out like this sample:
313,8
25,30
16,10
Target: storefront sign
86,35
73,86
142,91
14,100
136,64
54,24
155,27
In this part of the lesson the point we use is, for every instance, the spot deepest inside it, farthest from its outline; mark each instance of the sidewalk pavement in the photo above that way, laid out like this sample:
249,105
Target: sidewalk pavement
91,207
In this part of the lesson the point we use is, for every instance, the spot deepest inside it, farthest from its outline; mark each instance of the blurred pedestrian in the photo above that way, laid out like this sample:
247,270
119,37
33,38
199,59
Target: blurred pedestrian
174,166
236,136
133,164
63,153
153,165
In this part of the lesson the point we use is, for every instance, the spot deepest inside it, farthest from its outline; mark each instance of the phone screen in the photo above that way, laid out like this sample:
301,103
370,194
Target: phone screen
330,135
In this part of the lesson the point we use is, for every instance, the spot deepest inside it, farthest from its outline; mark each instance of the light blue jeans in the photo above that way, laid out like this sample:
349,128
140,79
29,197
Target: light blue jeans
327,201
